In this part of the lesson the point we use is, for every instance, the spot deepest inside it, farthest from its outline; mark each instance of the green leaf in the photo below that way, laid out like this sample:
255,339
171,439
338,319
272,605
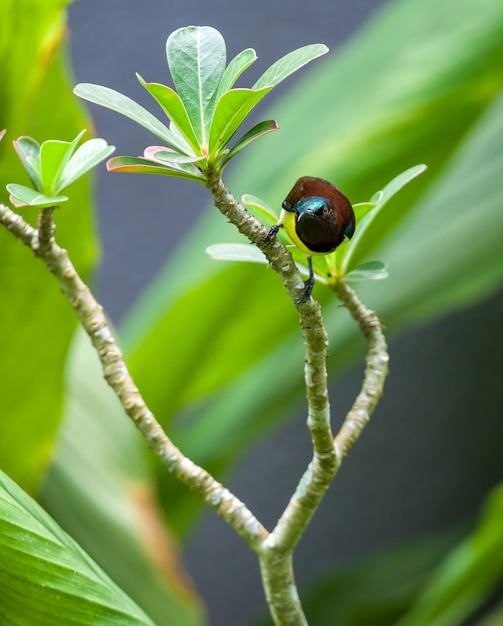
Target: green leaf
247,253
34,166
289,64
172,105
236,252
100,489
363,208
196,58
377,589
437,246
260,208
181,139
111,99
358,249
87,156
371,270
467,578
138,165
259,130
230,112
21,196
53,157
398,183
28,151
159,153
46,577
494,617
236,67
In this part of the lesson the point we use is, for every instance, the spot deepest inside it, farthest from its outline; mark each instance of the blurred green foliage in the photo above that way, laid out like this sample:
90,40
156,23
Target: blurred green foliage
421,82
33,68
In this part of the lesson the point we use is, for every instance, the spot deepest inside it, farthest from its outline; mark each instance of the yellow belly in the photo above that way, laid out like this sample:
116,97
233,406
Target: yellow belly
287,219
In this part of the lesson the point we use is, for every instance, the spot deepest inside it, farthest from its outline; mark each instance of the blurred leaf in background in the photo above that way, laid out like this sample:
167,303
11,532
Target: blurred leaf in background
421,82
429,581
441,580
468,577
109,504
100,487
378,589
36,324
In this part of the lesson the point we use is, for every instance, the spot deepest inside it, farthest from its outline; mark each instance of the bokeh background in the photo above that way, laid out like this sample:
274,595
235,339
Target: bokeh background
417,481
429,456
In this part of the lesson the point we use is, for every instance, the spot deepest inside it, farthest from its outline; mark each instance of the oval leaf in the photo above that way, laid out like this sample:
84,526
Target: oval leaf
236,67
236,252
196,59
158,153
289,64
230,112
372,270
172,105
356,251
20,196
87,156
28,150
111,99
137,165
53,157
260,129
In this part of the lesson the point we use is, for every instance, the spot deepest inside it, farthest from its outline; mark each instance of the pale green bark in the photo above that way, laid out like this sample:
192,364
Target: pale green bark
274,549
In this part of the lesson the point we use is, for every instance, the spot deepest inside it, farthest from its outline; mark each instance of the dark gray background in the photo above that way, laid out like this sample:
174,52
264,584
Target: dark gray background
433,448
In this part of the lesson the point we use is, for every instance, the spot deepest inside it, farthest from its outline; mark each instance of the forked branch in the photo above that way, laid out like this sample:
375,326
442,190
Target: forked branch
274,549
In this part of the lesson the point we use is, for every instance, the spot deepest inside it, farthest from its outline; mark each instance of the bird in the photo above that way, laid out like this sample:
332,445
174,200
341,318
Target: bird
317,218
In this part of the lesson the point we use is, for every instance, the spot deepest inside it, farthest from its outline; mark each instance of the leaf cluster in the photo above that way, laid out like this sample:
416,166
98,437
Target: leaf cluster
206,110
53,166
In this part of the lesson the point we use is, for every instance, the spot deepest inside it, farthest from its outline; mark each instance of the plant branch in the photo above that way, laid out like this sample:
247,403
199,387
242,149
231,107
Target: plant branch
275,553
311,319
274,549
375,372
280,588
95,323
46,229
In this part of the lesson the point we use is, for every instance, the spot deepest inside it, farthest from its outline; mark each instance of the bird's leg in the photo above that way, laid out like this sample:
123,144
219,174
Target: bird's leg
308,284
270,235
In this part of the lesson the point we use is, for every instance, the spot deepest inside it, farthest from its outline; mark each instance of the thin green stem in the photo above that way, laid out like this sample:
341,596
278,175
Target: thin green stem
376,371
